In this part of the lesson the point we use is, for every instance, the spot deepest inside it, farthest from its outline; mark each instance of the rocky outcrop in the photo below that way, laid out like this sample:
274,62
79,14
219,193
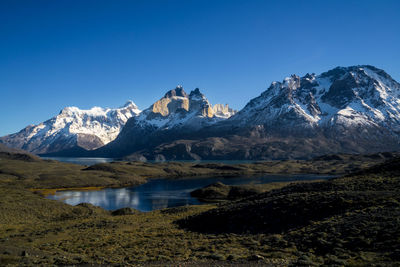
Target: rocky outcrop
223,111
219,191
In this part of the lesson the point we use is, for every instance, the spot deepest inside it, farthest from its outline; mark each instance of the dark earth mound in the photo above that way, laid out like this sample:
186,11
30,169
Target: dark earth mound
124,211
340,217
220,191
16,154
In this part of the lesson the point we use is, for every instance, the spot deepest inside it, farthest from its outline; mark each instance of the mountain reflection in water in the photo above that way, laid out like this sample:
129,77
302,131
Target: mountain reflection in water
162,193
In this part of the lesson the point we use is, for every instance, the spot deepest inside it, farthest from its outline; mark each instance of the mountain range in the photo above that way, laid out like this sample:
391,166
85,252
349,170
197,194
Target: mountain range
352,109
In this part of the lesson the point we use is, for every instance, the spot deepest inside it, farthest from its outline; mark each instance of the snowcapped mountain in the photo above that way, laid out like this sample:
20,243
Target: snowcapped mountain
176,115
357,96
357,108
345,110
73,127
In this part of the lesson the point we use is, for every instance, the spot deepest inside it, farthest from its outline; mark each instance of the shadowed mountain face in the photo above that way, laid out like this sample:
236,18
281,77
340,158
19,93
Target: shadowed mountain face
345,110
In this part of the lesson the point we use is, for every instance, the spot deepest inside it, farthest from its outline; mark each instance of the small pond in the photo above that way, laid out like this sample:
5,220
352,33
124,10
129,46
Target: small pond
163,193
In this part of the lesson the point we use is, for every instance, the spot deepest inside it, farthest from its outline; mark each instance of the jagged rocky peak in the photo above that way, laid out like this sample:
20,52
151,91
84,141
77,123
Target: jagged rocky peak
69,110
223,111
339,77
176,115
174,100
292,82
196,94
366,85
129,104
359,73
178,91
178,101
199,103
179,109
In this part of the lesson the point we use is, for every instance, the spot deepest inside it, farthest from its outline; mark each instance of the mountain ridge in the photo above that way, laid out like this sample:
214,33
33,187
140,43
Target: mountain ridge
76,132
176,115
88,129
352,109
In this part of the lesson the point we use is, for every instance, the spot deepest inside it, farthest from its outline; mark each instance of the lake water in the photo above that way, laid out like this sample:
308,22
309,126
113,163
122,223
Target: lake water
81,161
92,161
163,193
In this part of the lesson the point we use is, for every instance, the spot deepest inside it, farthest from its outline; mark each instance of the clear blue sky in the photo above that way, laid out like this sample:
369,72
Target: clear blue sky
101,53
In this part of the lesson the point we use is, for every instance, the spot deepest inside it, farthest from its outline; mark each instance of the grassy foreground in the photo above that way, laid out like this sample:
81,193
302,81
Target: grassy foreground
352,220
358,228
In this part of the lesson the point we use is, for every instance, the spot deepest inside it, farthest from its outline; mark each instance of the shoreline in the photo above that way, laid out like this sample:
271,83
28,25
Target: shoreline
47,177
52,191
